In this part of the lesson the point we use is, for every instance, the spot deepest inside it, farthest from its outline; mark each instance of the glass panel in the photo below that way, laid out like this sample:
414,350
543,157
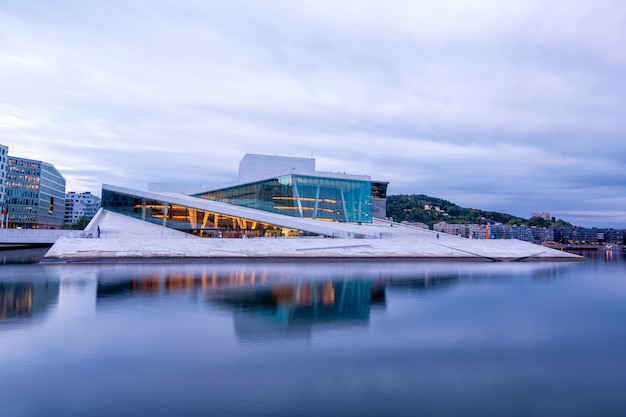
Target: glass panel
190,220
307,196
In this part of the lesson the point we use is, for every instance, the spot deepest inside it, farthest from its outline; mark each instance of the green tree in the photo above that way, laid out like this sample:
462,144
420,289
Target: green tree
81,223
411,208
538,221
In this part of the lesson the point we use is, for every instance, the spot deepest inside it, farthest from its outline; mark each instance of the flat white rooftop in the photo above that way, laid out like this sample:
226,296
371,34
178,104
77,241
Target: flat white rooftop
124,238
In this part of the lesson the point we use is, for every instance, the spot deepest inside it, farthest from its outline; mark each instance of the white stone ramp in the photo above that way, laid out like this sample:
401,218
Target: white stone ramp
115,226
125,238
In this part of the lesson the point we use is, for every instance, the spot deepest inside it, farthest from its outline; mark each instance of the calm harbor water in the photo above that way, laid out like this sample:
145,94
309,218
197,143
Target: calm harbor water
459,339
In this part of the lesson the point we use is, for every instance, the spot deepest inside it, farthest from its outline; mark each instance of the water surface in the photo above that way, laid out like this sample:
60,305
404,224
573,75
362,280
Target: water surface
483,339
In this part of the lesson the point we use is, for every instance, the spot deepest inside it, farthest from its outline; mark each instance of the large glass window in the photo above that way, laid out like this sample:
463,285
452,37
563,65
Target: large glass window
329,199
202,223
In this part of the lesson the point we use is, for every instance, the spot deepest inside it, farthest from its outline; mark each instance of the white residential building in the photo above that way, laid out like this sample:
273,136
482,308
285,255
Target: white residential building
79,205
451,229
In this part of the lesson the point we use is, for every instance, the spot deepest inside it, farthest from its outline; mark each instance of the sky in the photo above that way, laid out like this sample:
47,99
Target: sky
516,107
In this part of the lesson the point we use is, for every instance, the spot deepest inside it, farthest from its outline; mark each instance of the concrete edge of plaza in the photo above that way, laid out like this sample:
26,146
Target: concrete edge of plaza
126,239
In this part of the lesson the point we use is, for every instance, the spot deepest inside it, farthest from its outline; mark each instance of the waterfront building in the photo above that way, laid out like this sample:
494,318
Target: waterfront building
451,229
79,205
613,236
542,234
35,194
521,233
4,150
499,231
475,231
287,199
581,235
562,234
271,192
292,186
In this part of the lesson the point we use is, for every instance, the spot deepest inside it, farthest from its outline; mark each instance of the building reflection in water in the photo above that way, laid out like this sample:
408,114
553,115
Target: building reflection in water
261,303
22,256
295,310
292,301
26,300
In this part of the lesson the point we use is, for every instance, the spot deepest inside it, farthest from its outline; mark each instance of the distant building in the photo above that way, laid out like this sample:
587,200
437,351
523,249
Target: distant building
501,231
79,205
583,235
451,229
521,233
431,207
4,150
614,236
475,231
545,216
542,234
35,194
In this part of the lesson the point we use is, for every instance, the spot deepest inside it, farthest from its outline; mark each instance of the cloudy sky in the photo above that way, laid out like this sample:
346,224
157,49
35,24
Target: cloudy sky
510,106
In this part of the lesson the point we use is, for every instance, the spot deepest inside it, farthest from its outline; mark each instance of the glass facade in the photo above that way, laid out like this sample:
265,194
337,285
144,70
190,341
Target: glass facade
35,194
190,220
3,173
320,198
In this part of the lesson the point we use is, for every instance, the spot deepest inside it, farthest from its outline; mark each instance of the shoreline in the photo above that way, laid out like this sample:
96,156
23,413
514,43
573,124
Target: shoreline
126,239
294,259
287,260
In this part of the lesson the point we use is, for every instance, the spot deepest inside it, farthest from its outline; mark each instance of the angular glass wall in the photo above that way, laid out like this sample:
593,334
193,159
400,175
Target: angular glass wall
52,196
319,198
35,194
190,220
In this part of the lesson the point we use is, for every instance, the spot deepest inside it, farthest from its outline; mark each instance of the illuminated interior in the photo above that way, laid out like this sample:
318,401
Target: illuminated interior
320,198
191,220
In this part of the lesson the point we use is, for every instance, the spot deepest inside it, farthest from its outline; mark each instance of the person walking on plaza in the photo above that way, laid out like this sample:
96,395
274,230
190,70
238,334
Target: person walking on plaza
98,231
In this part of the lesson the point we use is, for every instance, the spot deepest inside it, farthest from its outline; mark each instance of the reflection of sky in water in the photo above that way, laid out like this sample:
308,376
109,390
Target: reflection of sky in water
309,339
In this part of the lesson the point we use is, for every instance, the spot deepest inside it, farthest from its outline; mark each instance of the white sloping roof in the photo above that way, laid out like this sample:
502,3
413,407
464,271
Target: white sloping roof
276,174
124,237
318,227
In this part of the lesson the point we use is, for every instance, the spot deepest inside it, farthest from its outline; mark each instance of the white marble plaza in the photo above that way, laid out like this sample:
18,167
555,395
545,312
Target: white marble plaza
125,238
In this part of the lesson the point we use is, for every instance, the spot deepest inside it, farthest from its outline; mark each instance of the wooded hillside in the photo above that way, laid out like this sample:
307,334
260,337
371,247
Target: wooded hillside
423,208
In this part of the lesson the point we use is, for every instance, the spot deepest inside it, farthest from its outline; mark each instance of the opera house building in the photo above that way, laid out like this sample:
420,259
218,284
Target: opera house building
272,196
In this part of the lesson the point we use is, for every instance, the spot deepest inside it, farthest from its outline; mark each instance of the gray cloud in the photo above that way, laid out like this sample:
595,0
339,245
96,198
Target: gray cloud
509,107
